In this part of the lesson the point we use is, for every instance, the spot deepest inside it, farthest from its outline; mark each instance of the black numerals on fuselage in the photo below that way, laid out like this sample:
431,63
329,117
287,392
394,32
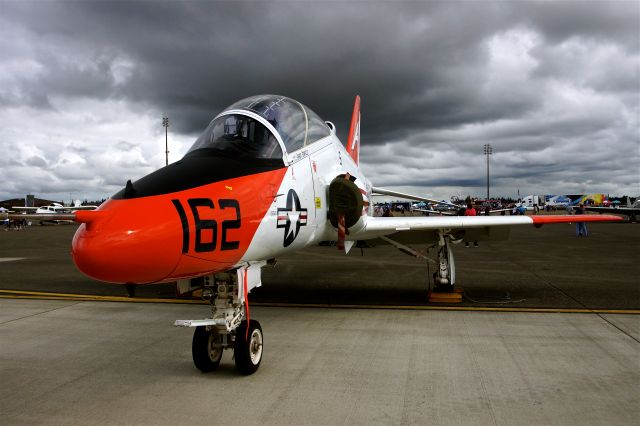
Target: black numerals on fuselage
202,224
201,245
229,224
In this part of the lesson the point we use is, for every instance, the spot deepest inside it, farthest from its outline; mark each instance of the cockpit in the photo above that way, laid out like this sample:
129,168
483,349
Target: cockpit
251,136
245,129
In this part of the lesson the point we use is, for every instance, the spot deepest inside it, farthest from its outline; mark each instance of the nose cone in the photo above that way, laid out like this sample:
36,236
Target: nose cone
126,245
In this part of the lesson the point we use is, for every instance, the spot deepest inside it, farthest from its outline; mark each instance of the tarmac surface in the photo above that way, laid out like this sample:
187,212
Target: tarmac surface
381,355
536,268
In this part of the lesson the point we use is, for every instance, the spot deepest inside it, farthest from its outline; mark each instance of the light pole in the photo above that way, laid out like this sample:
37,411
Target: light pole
165,124
488,150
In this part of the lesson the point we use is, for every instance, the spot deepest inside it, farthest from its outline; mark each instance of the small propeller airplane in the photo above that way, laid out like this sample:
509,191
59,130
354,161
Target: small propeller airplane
51,212
267,177
56,207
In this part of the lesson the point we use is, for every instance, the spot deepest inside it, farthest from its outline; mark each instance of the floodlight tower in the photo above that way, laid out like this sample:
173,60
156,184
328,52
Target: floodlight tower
165,124
488,150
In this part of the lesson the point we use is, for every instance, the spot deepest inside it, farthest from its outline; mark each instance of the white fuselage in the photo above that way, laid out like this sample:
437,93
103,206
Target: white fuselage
310,170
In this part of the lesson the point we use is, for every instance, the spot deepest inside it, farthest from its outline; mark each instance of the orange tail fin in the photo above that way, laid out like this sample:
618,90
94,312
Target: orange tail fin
353,142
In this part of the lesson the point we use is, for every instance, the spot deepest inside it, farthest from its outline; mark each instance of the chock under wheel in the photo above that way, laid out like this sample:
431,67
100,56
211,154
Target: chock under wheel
454,296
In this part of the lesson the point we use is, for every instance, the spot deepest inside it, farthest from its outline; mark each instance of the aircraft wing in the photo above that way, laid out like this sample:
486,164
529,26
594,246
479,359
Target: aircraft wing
380,226
57,208
42,216
618,210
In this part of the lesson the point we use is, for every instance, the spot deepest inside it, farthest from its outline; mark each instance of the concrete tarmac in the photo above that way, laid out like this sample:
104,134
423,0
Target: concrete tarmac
64,362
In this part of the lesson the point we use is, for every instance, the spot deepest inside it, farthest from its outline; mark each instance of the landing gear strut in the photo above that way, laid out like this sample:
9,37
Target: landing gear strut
445,277
228,327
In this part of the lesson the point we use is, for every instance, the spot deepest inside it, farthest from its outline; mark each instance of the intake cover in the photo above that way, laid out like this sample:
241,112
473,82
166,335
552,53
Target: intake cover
345,199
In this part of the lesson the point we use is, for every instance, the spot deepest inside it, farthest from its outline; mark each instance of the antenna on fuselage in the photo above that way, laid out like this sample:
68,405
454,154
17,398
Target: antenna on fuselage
129,190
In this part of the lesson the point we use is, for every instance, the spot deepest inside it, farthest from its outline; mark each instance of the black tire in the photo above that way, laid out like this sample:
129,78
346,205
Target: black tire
206,356
248,353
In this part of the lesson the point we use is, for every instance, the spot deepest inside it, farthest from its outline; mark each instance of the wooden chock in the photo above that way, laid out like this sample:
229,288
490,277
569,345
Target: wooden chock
446,297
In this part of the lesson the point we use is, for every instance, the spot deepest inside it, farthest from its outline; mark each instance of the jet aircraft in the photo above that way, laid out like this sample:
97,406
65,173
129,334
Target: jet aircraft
267,177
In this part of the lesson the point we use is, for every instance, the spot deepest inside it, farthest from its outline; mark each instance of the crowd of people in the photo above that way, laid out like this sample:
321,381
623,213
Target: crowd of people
14,224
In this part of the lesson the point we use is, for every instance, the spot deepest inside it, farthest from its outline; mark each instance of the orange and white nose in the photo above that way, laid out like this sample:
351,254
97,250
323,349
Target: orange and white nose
120,244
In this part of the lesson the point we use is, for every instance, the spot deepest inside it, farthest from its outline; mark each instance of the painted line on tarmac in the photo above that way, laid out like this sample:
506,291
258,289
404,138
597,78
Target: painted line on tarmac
15,294
19,294
11,259
451,308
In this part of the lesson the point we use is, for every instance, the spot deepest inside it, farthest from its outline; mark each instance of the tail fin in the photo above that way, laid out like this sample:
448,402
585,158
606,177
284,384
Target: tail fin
353,142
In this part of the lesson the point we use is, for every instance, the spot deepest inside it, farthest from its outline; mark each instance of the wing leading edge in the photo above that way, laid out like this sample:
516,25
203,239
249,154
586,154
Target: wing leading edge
379,226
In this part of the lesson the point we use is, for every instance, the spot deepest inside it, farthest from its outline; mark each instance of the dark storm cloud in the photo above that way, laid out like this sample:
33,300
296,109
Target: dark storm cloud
432,75
613,21
200,57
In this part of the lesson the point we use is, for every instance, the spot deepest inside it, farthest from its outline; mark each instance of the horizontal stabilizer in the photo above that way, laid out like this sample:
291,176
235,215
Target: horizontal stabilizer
382,191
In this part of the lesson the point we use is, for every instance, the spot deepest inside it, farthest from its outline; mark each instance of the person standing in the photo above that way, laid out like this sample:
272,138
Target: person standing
568,208
581,227
470,211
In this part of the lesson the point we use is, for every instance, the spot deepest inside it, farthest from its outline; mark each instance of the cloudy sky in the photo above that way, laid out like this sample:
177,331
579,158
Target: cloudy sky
554,87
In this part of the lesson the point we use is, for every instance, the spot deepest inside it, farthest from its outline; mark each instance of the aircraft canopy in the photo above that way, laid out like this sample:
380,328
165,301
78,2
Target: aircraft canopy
296,124
240,135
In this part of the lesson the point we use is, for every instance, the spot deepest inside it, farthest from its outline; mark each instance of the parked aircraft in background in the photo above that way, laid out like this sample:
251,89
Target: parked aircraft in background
631,210
267,177
49,213
420,205
56,208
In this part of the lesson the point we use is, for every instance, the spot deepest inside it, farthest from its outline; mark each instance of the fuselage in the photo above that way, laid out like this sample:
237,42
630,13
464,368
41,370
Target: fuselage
217,208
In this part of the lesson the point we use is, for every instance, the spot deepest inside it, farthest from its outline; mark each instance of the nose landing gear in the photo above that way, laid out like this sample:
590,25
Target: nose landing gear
229,326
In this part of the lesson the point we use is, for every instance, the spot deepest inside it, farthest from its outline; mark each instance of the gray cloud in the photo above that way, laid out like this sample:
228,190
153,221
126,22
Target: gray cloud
553,86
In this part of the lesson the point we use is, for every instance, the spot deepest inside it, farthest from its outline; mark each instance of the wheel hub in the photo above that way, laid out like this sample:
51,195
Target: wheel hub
255,346
215,346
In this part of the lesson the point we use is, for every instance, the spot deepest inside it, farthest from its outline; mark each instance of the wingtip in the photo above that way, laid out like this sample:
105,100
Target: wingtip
544,219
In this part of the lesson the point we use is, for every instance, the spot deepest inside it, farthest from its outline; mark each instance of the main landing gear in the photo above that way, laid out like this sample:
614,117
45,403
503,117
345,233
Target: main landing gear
445,276
229,326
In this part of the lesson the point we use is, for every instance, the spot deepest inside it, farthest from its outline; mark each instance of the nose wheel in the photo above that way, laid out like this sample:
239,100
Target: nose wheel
229,326
206,349
248,347
209,344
